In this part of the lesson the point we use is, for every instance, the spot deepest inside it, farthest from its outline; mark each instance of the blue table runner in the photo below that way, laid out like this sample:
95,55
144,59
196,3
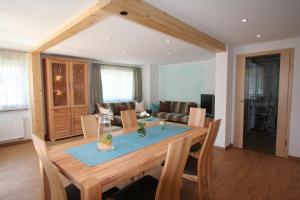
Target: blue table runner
123,144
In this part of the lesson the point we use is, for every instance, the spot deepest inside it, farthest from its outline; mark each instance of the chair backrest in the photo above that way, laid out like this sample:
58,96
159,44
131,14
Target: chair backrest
207,147
56,186
129,119
89,125
197,117
170,181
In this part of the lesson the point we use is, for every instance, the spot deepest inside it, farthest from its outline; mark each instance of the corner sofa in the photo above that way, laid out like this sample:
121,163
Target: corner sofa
116,108
174,111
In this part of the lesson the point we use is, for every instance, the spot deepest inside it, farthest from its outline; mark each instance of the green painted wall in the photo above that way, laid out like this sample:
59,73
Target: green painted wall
186,81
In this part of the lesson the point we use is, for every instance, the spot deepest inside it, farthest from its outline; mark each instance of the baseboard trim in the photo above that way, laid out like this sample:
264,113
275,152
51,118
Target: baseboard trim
294,158
222,148
15,142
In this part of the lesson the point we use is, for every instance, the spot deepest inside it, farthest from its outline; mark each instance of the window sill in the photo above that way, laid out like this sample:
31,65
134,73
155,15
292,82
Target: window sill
13,110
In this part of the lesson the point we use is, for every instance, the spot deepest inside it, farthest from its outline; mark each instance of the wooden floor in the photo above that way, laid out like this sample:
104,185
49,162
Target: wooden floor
238,174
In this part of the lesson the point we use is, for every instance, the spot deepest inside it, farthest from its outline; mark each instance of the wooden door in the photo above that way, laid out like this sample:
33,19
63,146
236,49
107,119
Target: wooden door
284,99
78,76
57,80
76,119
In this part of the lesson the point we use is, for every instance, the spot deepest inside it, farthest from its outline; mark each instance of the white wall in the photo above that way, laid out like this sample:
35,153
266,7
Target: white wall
187,81
294,134
223,101
154,84
150,78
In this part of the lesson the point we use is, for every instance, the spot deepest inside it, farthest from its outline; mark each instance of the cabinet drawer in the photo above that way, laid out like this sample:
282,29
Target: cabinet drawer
76,118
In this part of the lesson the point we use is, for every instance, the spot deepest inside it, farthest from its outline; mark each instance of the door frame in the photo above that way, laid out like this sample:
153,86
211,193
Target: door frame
284,98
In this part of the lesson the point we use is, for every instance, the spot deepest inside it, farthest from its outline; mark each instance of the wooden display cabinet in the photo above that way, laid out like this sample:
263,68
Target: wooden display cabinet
66,96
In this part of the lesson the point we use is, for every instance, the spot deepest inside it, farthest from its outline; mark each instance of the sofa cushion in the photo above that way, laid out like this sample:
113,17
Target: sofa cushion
117,120
126,106
140,107
186,106
154,108
114,107
175,117
175,106
164,106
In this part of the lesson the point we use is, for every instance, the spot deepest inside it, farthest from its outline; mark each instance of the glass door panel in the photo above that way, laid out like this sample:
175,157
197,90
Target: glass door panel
78,74
261,103
59,84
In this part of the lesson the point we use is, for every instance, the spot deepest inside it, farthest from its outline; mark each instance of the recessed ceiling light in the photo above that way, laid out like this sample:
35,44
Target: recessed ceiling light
258,35
124,52
167,41
106,38
134,59
124,12
244,20
169,53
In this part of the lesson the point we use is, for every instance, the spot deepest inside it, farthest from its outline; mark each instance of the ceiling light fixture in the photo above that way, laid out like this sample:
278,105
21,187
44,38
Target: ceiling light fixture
106,38
167,41
169,53
244,20
124,13
258,36
124,52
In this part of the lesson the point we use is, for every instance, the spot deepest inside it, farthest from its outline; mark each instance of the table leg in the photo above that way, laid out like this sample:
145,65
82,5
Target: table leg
91,189
46,191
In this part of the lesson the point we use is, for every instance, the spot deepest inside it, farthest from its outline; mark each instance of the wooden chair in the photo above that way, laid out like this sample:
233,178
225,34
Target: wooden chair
89,125
57,190
196,118
200,170
129,119
169,186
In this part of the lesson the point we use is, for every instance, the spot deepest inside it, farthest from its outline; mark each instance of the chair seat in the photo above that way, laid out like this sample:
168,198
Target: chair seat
142,189
73,193
196,147
191,166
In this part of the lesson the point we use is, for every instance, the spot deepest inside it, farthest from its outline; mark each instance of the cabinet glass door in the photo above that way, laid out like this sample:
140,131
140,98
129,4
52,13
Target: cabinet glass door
59,84
78,83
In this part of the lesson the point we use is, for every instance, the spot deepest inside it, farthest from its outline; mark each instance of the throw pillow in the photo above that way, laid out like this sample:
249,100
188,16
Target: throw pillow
104,111
139,107
154,108
164,106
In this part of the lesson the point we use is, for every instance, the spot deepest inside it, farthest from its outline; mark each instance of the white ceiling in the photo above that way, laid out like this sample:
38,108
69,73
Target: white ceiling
23,23
273,19
141,44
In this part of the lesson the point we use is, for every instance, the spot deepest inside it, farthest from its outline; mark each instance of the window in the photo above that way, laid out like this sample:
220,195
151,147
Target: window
117,83
13,80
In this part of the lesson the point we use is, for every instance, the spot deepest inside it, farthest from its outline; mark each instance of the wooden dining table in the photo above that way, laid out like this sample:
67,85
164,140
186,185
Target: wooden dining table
92,181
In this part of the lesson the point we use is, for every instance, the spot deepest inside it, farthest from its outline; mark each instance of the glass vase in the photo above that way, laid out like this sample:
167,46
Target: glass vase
105,138
141,130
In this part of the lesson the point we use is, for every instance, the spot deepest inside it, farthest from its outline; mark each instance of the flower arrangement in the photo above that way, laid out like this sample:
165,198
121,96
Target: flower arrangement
141,130
162,125
145,115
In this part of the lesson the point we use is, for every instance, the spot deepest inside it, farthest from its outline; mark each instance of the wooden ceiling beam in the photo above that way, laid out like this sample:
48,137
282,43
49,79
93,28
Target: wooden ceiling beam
86,19
152,17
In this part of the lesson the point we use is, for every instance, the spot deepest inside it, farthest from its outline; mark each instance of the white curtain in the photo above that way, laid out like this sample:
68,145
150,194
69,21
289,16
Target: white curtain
255,79
13,80
117,83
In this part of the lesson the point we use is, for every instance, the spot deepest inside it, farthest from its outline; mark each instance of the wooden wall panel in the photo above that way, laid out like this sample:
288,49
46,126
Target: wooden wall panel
36,93
239,101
